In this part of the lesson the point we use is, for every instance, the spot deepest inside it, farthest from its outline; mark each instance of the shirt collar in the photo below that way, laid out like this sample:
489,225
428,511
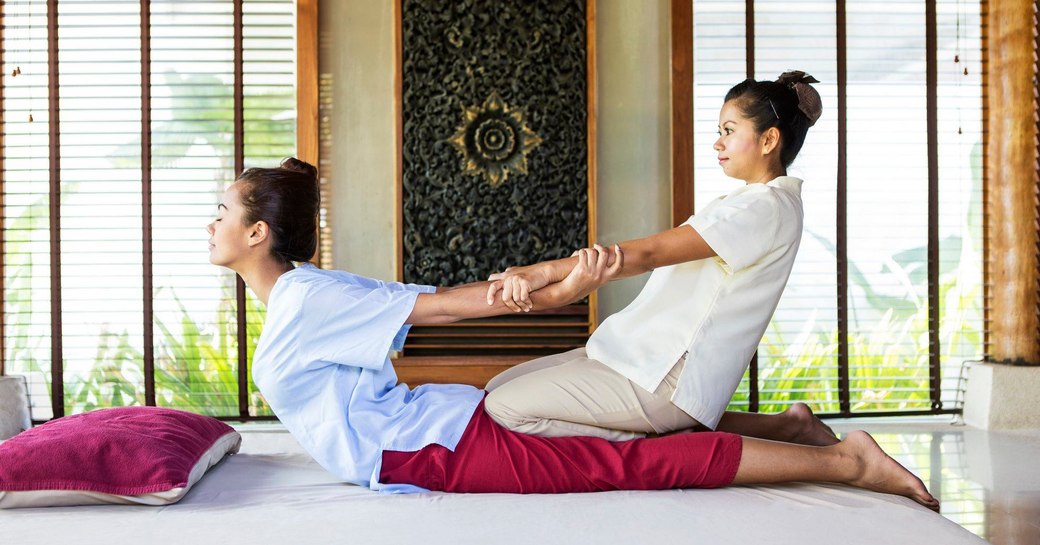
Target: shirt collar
789,183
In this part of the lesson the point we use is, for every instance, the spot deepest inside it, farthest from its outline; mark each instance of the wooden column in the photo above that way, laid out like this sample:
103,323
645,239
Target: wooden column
682,110
307,94
307,81
1012,254
591,111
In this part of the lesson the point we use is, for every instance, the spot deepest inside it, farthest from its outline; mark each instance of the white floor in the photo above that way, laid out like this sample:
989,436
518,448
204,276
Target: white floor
988,482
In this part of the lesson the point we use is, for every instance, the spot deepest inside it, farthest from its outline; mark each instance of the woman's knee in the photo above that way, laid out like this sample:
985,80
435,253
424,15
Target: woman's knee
532,366
498,404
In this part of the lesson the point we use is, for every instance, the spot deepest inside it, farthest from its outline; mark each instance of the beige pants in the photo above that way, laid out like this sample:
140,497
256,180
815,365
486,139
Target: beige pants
570,394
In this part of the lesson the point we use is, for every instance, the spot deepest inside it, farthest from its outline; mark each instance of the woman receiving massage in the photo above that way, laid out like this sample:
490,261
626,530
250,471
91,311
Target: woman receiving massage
322,360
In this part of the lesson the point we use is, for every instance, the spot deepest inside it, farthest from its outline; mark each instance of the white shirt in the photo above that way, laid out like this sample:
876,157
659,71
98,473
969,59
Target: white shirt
715,310
322,363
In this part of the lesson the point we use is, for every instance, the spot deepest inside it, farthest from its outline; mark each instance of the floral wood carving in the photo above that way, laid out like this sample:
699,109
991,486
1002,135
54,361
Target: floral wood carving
493,141
517,71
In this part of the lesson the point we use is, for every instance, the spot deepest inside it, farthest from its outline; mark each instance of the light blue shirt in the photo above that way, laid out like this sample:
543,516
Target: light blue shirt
322,364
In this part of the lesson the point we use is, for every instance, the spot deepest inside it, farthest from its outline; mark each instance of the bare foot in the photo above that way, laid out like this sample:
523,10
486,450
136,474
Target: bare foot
881,473
809,430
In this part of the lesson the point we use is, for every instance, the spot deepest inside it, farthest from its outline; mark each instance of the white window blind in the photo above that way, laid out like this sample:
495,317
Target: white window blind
99,85
794,360
193,158
886,183
888,204
960,52
269,72
26,238
191,127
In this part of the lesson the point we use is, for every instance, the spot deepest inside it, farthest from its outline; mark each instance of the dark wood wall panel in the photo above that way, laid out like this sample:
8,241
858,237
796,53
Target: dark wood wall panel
494,130
497,135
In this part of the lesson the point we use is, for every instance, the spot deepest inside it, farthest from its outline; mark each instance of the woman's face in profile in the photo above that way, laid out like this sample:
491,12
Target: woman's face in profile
738,146
228,235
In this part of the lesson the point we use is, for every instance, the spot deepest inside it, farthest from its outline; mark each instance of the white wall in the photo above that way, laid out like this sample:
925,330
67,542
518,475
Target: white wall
357,51
633,136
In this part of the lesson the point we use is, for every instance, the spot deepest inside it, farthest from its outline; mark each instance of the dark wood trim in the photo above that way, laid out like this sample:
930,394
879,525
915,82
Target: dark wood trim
473,370
682,110
240,286
146,203
591,120
749,38
247,418
307,81
870,414
54,127
398,140
841,236
753,393
749,56
307,147
932,101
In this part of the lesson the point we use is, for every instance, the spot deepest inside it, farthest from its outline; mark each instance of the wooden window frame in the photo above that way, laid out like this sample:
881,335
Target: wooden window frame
307,149
683,182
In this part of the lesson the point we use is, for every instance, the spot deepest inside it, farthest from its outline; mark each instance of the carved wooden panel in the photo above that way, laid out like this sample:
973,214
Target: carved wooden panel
495,135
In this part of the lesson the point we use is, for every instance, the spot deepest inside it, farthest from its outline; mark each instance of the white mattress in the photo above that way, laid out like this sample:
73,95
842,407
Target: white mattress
273,492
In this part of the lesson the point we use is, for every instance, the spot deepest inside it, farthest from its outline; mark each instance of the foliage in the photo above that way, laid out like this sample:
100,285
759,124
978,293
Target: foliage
198,371
888,359
195,366
888,363
194,370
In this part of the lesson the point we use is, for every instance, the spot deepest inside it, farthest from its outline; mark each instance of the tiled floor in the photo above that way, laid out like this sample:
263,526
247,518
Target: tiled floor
988,482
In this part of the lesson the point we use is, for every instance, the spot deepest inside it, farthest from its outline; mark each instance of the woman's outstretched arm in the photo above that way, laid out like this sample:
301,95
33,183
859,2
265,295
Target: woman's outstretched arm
590,270
677,245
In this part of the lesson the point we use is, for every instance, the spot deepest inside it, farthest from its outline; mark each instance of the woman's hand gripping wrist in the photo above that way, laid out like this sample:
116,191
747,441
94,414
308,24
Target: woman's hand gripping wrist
592,270
517,284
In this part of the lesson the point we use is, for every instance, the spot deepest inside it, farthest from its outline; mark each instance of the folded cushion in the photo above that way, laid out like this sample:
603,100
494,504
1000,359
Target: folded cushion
128,455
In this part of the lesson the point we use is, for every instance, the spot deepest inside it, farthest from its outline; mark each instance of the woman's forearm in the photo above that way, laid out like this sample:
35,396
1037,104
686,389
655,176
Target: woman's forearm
469,301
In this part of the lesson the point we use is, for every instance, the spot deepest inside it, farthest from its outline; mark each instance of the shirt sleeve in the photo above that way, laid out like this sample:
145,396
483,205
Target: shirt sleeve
740,229
355,325
395,286
402,333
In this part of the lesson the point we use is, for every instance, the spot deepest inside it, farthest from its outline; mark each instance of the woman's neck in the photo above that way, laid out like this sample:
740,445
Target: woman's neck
767,176
261,276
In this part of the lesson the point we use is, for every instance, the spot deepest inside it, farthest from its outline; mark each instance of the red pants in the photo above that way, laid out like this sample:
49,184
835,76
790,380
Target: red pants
490,458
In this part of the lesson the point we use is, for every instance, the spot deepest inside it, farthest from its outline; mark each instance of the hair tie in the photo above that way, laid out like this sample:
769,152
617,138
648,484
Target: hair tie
808,98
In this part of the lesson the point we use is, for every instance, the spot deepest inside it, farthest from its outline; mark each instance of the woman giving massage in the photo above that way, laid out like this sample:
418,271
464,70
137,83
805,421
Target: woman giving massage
322,364
672,359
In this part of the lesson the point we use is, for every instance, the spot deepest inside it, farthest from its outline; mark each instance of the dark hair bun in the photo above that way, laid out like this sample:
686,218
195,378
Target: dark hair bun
790,104
303,167
288,199
792,77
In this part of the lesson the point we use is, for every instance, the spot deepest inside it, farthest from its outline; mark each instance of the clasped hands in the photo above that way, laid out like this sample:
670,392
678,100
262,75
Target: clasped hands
591,268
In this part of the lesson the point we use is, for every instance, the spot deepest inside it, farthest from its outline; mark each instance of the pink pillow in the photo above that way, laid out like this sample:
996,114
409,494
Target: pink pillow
130,455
